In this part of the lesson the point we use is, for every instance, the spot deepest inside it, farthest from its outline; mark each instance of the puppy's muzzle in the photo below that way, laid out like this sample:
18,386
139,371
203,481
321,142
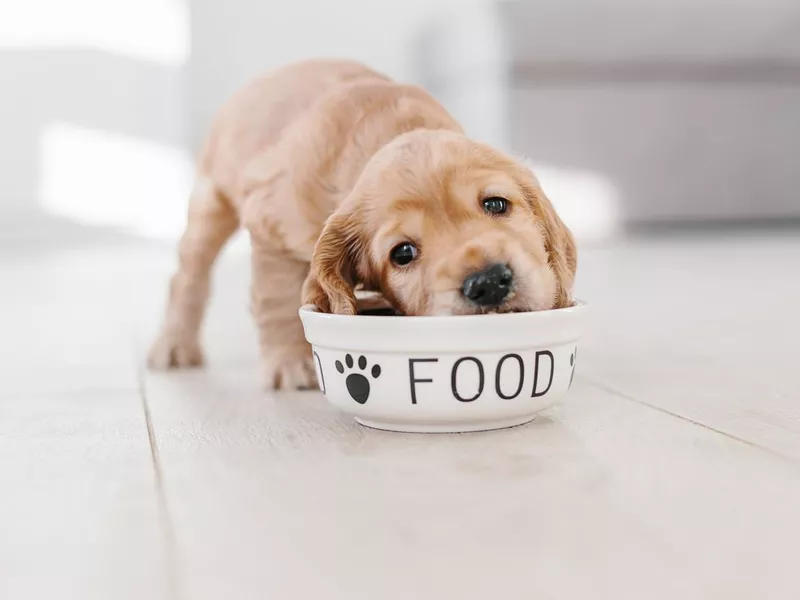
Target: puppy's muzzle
489,287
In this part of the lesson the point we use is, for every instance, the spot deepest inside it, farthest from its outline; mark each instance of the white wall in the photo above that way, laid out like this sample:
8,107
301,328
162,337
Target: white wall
251,36
103,102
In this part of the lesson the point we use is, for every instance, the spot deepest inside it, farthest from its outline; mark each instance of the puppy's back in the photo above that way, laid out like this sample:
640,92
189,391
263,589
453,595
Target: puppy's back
255,117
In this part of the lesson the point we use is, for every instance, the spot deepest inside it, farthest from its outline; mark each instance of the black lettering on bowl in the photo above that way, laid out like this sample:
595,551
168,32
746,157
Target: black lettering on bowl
357,383
536,367
499,370
573,359
412,377
454,379
457,383
321,374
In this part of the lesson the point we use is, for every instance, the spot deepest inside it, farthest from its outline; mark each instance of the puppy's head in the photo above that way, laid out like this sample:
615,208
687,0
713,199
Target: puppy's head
442,225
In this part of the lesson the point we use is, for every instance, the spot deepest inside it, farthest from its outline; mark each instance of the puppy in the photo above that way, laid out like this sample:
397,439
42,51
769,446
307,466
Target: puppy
345,179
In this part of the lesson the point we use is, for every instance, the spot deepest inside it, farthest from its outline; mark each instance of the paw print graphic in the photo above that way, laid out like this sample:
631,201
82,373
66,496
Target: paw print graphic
357,383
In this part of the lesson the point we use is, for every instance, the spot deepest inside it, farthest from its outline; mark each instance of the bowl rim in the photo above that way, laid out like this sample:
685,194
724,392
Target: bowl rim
578,306
399,334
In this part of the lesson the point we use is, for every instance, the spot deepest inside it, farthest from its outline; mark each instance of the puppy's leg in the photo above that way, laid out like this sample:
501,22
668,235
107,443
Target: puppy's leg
211,222
276,295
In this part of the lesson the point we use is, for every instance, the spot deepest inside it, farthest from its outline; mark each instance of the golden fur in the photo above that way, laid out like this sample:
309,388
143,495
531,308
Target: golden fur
329,165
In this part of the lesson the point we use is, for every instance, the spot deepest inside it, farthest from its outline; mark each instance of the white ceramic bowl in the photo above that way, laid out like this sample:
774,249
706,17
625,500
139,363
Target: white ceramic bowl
445,374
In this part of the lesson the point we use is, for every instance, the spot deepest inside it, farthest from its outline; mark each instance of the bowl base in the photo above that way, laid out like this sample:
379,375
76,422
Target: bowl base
445,427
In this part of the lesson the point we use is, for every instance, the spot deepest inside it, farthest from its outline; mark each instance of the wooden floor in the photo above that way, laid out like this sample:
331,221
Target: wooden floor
672,470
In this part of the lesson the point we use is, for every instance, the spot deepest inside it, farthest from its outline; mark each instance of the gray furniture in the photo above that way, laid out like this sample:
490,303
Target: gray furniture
691,111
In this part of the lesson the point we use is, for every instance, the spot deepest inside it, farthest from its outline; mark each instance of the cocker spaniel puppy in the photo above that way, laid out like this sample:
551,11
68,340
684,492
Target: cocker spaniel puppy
347,180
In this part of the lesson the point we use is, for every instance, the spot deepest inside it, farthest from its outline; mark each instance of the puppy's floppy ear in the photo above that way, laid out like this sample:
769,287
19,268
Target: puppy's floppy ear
335,265
563,255
559,243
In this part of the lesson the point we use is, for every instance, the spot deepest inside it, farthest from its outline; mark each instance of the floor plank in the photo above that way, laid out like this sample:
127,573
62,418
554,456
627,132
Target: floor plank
278,495
671,471
702,329
79,512
65,322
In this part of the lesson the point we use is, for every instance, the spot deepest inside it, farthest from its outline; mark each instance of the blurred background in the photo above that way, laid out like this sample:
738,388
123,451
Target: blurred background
636,115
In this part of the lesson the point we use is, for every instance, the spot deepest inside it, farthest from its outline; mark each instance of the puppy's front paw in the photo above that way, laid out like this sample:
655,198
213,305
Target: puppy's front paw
289,369
172,351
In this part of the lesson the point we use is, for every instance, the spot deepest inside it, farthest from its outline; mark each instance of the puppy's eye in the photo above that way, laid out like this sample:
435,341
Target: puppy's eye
495,205
404,253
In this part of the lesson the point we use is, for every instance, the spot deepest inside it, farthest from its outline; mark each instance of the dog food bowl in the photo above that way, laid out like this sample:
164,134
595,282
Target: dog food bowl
445,374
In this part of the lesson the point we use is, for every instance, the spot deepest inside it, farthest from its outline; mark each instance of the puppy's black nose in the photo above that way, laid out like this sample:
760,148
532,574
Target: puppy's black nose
490,286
